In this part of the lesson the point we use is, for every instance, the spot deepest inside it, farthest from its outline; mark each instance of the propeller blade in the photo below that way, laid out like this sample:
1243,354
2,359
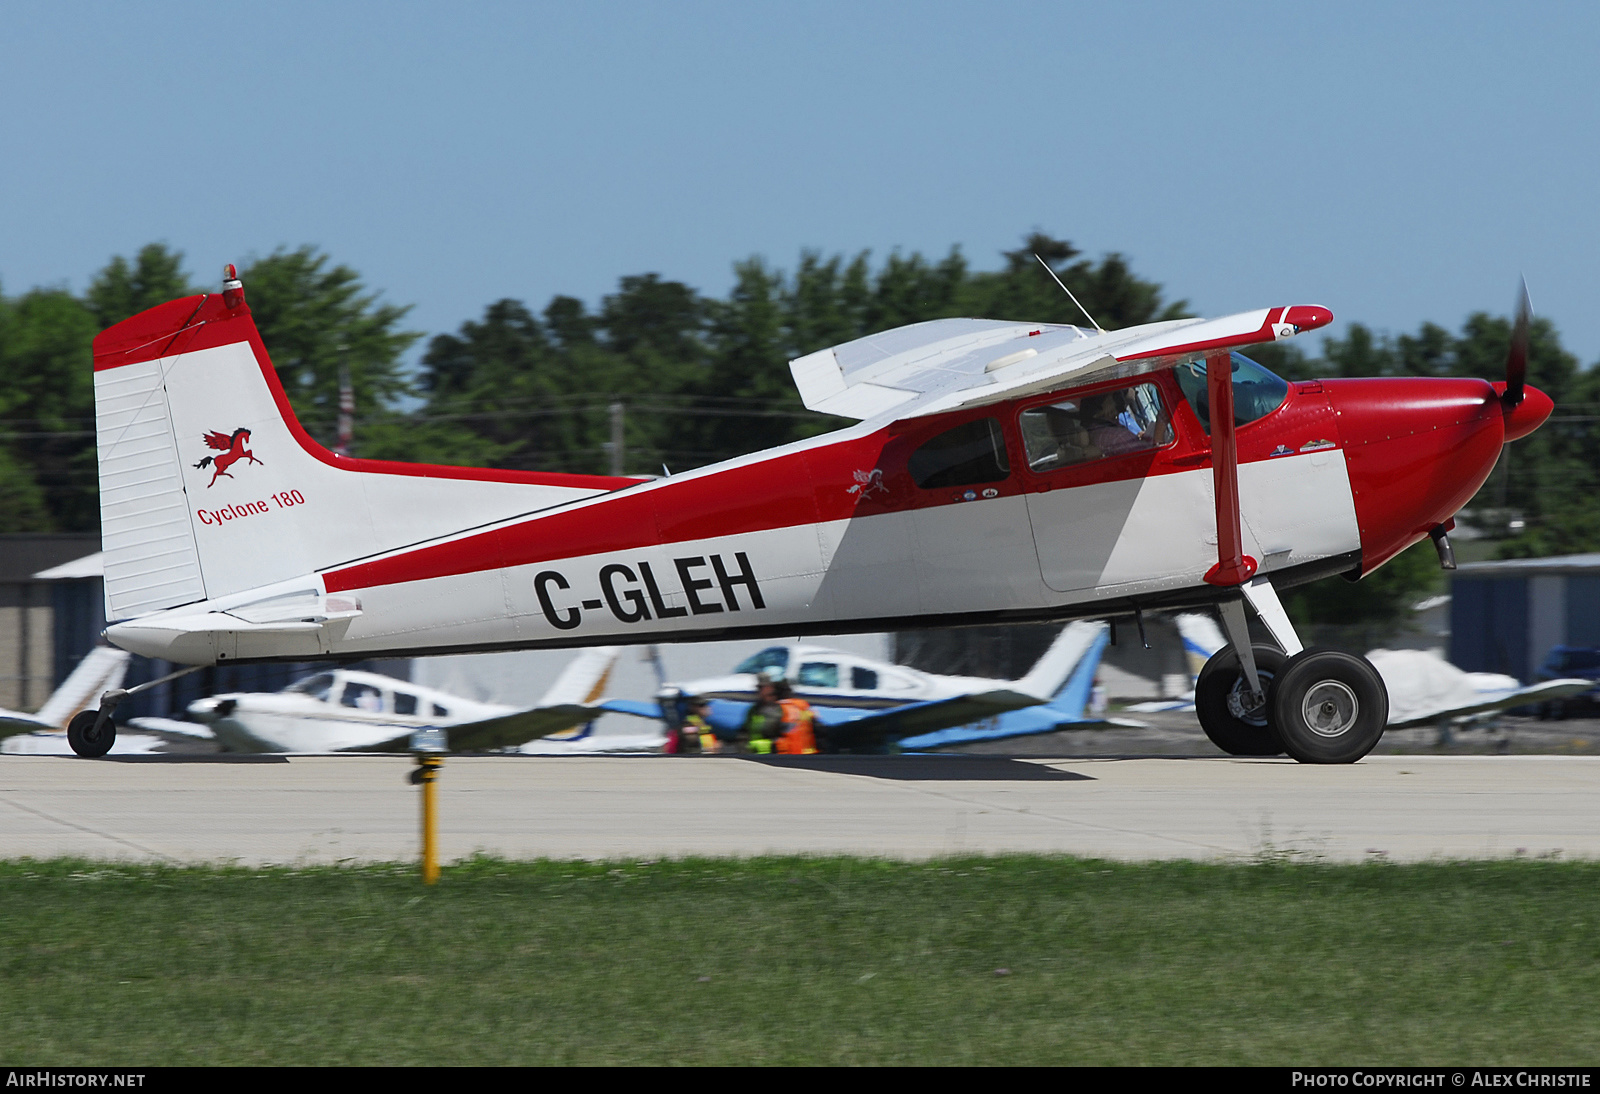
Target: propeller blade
1517,359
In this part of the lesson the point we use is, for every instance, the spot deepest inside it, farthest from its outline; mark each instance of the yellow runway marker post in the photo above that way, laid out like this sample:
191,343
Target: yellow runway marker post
427,744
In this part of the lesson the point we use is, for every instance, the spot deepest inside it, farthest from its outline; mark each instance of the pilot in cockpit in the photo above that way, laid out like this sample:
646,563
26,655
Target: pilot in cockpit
1068,440
1109,428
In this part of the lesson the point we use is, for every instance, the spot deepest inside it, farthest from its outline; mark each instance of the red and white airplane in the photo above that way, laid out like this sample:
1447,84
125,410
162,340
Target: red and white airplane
999,471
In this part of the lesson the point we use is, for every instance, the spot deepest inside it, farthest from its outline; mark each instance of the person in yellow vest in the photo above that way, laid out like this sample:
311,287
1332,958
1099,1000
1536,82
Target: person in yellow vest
696,726
764,722
799,723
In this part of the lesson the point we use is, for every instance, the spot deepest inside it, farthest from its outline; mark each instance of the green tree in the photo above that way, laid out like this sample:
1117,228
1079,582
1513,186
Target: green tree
124,289
47,410
1382,599
312,316
1108,289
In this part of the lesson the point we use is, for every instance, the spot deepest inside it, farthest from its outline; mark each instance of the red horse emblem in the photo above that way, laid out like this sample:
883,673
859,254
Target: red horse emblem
233,450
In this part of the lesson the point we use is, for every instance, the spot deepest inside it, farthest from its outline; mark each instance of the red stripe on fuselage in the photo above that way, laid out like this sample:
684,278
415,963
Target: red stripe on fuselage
801,486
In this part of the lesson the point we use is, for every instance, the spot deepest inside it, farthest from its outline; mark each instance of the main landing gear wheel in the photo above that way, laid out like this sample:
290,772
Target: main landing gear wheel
84,739
1330,707
1222,702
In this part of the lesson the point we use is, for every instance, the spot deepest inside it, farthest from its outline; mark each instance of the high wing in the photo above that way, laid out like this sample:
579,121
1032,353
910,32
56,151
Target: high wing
943,364
860,729
571,700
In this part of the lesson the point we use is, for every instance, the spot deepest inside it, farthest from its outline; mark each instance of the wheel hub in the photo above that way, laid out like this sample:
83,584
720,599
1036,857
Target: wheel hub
1330,708
1245,707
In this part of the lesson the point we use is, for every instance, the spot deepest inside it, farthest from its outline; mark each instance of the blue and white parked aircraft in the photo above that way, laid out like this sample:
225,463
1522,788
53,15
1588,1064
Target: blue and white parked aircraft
866,705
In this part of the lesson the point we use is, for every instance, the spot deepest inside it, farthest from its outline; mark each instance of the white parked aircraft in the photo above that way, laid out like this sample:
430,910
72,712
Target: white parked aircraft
344,711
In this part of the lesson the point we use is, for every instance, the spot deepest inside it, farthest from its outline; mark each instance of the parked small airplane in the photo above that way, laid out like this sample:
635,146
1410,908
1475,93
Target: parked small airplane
345,711
999,471
866,705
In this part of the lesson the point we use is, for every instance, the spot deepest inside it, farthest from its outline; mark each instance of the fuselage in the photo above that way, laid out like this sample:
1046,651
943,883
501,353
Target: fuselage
1081,502
331,712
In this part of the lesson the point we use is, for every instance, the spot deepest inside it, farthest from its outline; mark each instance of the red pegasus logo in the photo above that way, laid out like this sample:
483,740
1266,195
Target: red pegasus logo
233,450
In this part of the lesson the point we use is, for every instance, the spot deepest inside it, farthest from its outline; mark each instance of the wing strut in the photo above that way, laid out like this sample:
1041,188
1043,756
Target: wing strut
1233,567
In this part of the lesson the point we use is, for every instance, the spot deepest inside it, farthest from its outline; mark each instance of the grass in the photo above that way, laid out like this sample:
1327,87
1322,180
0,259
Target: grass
1008,960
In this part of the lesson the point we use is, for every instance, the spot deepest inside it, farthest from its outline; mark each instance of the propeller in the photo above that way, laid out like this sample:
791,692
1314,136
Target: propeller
1517,359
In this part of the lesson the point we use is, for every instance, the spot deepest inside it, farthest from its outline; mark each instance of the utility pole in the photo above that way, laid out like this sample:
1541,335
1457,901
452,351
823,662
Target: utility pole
347,404
618,451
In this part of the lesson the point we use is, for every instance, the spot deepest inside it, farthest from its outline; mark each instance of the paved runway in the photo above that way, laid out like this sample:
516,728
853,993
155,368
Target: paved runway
342,808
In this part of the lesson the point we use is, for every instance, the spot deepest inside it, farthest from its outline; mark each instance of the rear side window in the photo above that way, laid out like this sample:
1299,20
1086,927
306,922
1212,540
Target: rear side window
970,453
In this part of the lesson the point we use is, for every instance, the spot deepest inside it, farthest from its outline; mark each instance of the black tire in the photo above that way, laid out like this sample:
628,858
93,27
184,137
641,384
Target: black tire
1222,702
1330,707
84,740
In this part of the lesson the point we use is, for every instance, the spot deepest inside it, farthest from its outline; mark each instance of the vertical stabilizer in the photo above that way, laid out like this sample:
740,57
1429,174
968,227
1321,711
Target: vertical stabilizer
210,487
1054,670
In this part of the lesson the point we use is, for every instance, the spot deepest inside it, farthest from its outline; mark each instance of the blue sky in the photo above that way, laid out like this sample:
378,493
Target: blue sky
1395,162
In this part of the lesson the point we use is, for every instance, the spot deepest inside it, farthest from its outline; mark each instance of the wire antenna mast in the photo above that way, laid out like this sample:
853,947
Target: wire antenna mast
1068,291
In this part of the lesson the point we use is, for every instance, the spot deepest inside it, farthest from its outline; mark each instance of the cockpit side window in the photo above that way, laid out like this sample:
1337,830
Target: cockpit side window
1096,426
362,697
818,674
968,454
1257,391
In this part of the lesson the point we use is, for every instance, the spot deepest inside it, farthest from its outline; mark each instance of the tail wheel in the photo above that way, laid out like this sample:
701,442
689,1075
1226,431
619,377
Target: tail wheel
85,739
1330,707
1223,703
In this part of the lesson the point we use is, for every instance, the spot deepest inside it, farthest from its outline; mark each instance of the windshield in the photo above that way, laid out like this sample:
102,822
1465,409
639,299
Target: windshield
1257,392
770,661
315,686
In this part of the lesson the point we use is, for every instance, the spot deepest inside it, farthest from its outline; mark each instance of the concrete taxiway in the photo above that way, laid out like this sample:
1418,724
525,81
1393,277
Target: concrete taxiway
319,809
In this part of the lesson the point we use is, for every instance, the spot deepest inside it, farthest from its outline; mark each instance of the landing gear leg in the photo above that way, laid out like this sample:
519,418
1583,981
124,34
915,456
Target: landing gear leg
1327,707
1232,694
